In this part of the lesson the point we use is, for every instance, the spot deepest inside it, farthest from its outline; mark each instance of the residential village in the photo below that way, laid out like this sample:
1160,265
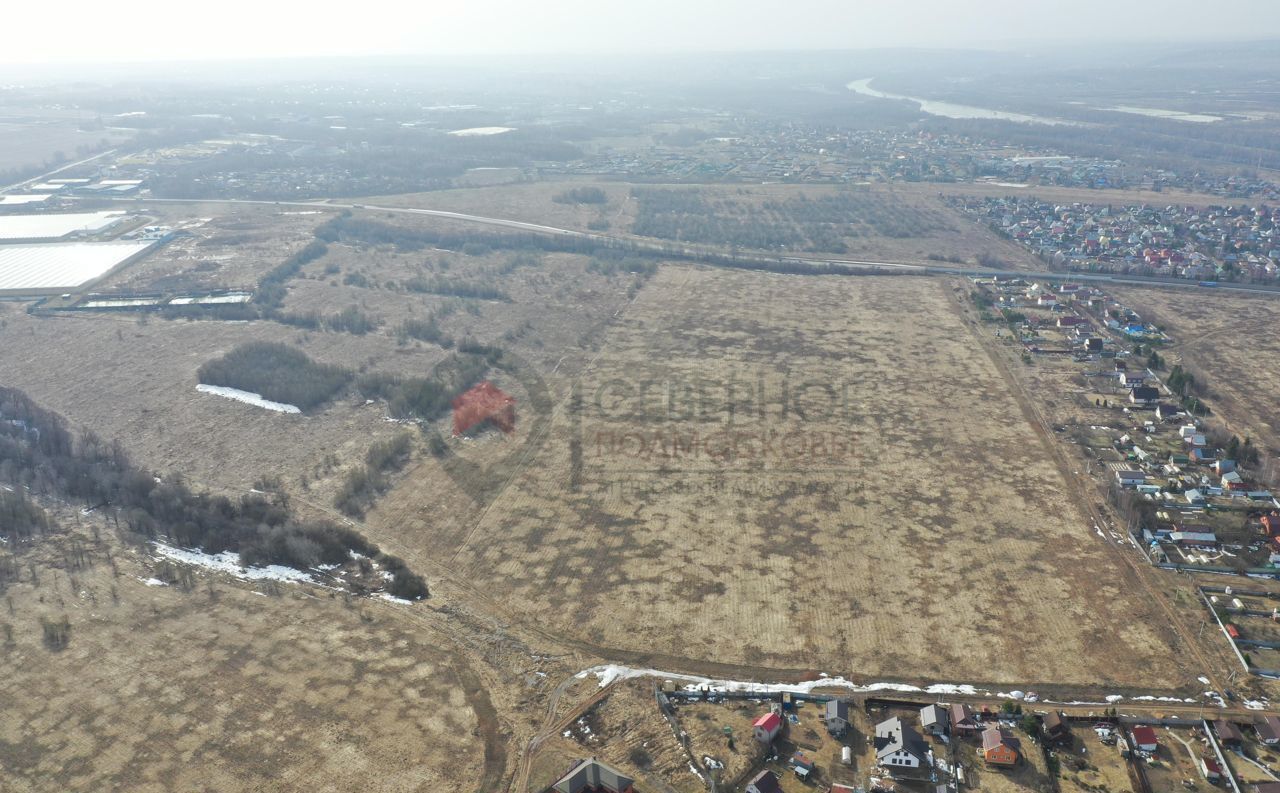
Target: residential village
744,148
1194,498
1238,243
793,742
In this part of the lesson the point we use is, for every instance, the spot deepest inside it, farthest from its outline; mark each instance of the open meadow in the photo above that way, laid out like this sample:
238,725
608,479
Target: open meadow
894,223
1228,340
799,473
177,679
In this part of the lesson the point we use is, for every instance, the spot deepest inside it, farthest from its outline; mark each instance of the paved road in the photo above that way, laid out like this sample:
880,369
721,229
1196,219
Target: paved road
696,252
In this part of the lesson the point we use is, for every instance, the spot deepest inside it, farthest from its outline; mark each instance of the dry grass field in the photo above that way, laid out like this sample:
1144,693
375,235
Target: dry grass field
1229,340
136,382
28,143
626,730
221,686
917,530
221,246
955,234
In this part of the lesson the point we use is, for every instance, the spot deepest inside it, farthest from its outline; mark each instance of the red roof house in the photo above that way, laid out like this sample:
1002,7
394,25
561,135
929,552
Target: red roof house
1144,739
767,727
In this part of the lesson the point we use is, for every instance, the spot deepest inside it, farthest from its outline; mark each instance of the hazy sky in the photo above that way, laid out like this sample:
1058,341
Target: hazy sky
91,30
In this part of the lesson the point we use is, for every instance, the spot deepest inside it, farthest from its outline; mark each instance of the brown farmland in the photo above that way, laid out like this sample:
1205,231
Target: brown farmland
917,530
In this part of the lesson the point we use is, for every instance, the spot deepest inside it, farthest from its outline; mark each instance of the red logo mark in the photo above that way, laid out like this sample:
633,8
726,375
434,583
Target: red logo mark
484,402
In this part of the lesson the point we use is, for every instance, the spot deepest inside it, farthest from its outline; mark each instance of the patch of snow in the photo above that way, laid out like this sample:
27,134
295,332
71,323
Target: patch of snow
1203,679
229,562
1114,698
472,132
1253,704
247,397
153,582
394,599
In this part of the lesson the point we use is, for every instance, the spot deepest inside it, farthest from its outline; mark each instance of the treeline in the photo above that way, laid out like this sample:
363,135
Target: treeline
816,225
20,518
452,287
424,330
38,451
1183,384
581,195
349,320
363,484
271,289
614,266
278,372
428,397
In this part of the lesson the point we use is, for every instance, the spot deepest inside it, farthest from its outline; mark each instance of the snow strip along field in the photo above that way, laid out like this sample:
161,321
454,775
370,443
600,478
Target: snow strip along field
229,562
610,673
247,397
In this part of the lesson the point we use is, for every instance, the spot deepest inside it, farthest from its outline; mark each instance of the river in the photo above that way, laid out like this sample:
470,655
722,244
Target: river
951,109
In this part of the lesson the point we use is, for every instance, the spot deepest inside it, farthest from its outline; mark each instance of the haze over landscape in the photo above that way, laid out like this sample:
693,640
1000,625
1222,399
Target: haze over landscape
650,398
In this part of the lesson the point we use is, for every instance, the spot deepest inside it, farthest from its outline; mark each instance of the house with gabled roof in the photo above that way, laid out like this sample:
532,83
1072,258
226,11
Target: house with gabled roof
1144,738
963,722
1268,730
1055,727
593,776
766,728
934,719
999,747
1229,734
898,745
837,716
764,782
1144,395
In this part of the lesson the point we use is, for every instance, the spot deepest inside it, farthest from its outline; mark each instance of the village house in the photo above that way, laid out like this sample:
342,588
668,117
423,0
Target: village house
764,782
1132,379
1229,734
837,717
999,747
1232,480
802,766
1212,772
1144,396
1194,539
1167,412
962,720
1144,739
1203,455
766,728
593,776
1055,727
898,745
1130,477
1268,730
1271,524
933,719
1195,498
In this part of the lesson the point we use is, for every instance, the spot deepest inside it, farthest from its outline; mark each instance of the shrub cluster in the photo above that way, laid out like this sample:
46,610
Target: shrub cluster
37,451
278,372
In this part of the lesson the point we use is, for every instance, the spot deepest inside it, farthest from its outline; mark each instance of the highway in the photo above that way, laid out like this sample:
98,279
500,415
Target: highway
703,253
